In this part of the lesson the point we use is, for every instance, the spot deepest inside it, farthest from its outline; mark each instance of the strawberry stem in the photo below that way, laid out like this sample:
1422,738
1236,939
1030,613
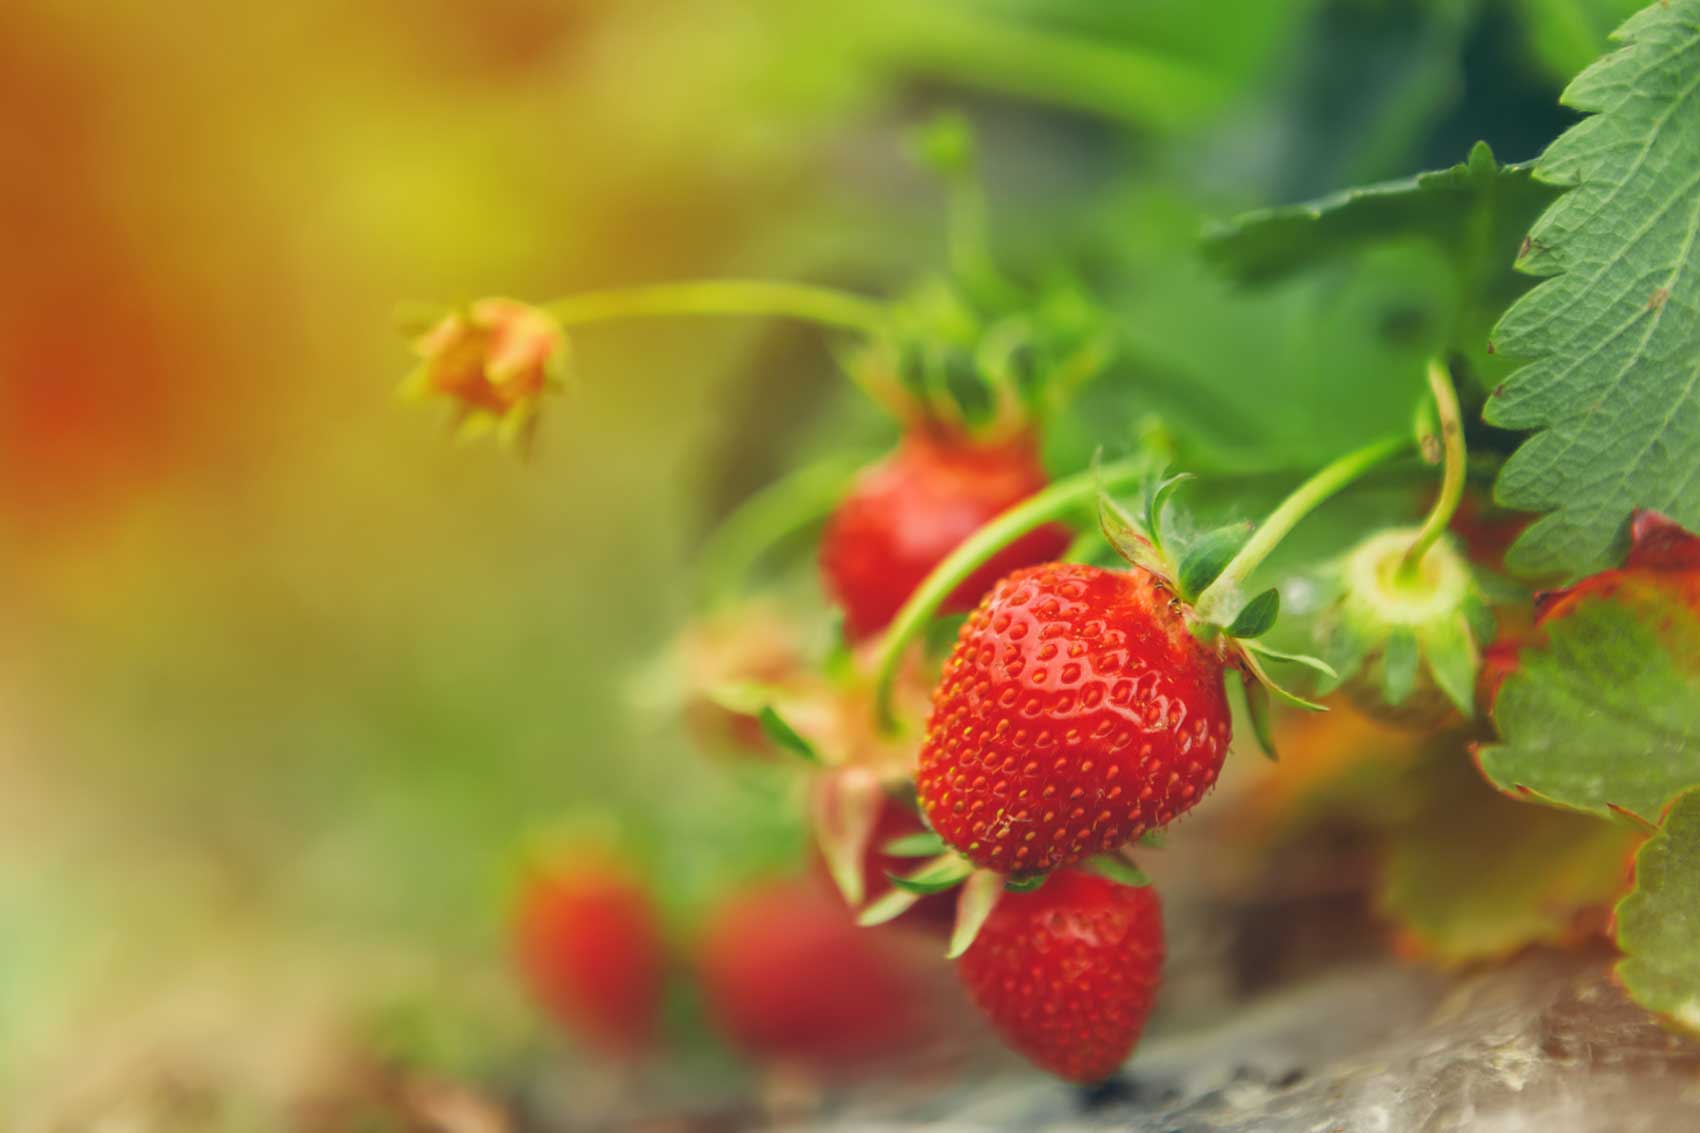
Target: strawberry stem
1221,600
823,305
1055,501
1452,480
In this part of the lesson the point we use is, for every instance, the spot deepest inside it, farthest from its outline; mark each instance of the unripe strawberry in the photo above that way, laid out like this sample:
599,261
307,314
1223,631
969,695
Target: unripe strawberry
1068,972
589,946
907,512
1405,640
1076,712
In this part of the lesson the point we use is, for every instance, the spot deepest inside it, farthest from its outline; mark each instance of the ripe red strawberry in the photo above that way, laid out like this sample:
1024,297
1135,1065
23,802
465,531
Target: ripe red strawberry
789,977
1067,972
1075,713
910,510
589,946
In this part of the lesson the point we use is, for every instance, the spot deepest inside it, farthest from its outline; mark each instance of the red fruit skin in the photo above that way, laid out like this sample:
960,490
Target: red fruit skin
788,977
1075,713
589,947
908,511
1067,973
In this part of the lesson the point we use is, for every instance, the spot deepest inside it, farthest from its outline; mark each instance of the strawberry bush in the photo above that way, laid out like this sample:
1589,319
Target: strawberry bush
1398,486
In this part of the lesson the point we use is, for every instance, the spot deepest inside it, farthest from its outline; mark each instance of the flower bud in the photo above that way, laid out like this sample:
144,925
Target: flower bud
494,360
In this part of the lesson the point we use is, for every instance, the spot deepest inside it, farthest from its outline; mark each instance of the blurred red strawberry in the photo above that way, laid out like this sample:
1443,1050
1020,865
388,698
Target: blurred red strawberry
910,510
790,979
589,946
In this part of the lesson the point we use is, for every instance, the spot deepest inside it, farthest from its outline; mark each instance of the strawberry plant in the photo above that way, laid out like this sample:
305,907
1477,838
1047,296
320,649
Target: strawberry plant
1128,639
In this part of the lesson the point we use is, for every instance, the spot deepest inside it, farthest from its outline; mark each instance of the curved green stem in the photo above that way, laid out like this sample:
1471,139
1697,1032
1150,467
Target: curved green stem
766,517
1221,599
1452,478
1055,501
824,305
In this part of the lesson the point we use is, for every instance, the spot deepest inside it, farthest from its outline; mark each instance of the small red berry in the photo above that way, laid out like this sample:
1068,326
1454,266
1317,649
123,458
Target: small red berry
589,945
1076,712
1067,972
910,510
789,977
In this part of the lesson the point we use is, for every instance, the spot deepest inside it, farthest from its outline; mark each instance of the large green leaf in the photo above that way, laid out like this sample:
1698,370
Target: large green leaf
1477,211
1606,714
1658,924
1475,214
1476,876
1614,337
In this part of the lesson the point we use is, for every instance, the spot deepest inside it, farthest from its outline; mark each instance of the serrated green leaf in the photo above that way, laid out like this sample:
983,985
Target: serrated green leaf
1399,663
1658,923
1449,648
1607,711
1476,212
924,844
1474,875
1257,616
1117,869
784,736
1613,338
1208,555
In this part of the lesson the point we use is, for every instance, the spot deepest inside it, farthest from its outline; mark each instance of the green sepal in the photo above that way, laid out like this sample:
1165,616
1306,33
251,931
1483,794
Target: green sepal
1025,884
1251,654
890,905
1116,868
1321,667
1257,616
1157,494
922,844
1259,710
1399,660
1208,556
1450,650
944,872
974,904
1155,839
1132,540
775,728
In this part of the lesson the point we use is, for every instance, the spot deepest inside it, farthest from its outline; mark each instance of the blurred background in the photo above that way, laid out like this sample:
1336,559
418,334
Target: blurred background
285,678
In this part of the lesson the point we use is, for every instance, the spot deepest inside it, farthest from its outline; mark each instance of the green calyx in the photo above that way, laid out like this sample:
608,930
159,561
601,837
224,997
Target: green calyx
1405,635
